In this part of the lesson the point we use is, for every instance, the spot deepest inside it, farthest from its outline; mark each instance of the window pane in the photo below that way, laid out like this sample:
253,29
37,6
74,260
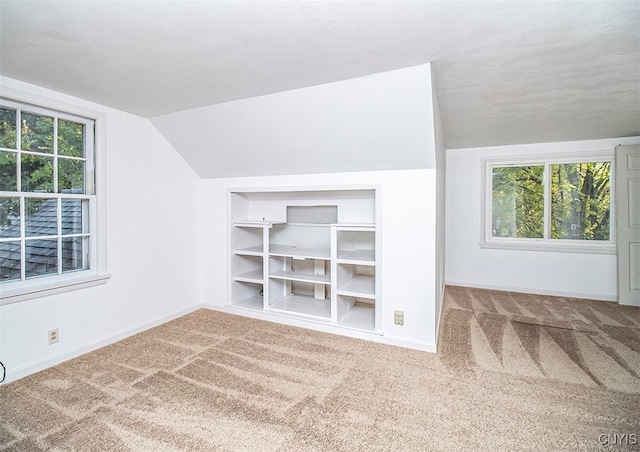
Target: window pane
9,217
73,252
8,171
37,173
580,201
70,176
9,261
75,214
8,134
37,133
70,138
518,202
41,217
41,257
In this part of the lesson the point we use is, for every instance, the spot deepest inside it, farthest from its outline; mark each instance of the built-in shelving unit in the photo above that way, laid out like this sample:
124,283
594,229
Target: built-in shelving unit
355,269
248,264
314,267
299,273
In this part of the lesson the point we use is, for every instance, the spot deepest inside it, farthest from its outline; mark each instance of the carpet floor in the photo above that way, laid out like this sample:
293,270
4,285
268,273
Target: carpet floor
513,372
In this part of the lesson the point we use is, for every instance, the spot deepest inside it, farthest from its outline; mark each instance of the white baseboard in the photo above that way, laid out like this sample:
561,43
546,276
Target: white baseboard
13,374
326,328
37,366
439,313
535,291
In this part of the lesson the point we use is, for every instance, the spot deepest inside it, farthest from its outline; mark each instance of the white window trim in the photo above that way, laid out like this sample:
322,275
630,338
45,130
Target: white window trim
544,244
98,274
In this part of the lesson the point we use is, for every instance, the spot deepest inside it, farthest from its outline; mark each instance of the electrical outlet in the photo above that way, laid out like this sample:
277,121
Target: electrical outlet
53,336
398,317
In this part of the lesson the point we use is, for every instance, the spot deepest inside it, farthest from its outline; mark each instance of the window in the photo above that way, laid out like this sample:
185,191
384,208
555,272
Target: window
561,204
47,199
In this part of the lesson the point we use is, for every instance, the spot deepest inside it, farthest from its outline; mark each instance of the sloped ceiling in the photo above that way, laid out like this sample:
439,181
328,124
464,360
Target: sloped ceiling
506,72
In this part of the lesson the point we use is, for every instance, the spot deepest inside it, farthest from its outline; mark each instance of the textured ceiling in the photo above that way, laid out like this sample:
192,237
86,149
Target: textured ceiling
506,72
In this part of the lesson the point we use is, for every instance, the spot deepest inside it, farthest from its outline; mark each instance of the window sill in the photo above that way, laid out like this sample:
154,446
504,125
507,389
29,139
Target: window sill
43,289
563,246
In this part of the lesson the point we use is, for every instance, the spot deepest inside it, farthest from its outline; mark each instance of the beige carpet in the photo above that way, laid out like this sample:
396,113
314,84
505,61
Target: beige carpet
585,342
514,373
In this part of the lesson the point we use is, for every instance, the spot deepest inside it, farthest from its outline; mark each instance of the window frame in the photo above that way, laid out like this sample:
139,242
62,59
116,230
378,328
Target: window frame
546,243
95,191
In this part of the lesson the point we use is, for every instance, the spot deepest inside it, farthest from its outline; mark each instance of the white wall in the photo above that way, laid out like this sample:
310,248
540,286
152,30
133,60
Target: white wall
153,205
570,274
407,228
167,229
441,191
378,122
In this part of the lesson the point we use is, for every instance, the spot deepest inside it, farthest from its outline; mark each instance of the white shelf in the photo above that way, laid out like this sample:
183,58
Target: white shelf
294,276
362,286
310,225
255,223
360,227
358,257
361,316
254,276
305,305
252,302
304,253
250,251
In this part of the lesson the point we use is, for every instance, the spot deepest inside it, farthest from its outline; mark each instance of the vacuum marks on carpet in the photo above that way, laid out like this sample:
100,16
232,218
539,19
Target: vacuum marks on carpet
577,341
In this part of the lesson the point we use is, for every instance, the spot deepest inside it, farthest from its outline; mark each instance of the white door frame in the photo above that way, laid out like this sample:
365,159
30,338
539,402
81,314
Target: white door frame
627,186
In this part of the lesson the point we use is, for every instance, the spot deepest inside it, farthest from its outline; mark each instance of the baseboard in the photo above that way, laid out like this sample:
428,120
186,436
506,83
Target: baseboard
37,366
326,328
536,291
439,313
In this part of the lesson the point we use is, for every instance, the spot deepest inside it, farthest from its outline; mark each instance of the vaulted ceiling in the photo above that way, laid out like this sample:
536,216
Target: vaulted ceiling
505,72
